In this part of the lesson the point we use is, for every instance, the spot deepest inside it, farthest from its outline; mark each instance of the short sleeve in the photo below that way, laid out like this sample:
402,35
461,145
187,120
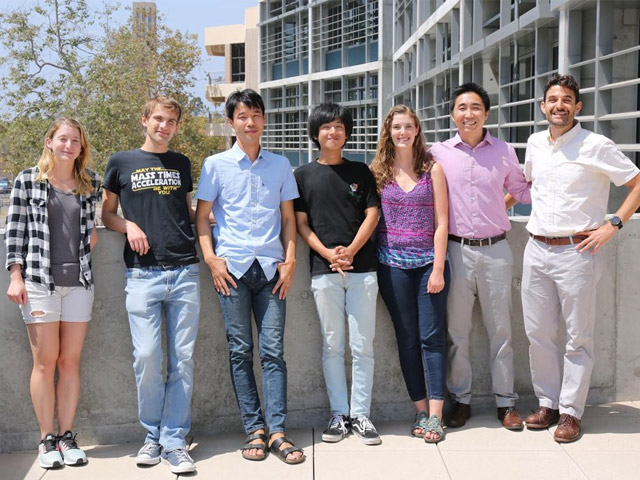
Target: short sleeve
299,204
289,186
373,200
208,186
615,164
112,176
527,162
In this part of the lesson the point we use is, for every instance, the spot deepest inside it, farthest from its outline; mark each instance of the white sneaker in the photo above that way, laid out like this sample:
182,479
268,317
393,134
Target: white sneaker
179,460
48,453
68,448
149,454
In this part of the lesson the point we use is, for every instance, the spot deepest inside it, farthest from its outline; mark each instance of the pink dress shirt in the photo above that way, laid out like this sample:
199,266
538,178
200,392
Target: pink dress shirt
476,181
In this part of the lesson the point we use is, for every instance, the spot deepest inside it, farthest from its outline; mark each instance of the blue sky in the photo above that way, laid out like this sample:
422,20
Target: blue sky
186,15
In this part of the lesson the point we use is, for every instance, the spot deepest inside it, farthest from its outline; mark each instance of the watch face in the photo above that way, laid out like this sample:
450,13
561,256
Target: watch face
616,222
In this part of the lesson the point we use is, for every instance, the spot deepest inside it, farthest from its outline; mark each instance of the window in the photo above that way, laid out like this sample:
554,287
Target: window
237,62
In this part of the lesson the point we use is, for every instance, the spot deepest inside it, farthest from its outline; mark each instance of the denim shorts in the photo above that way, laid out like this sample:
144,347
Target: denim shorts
65,304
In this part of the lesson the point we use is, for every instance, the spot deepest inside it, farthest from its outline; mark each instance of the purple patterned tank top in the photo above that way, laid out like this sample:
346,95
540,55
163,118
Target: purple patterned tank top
407,225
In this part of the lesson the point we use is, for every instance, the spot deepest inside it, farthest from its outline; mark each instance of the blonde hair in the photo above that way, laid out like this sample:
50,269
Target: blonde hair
47,160
166,102
382,165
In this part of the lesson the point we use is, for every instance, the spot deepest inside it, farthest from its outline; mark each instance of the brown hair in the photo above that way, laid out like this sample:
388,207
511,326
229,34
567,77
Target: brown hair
383,161
564,81
167,102
47,160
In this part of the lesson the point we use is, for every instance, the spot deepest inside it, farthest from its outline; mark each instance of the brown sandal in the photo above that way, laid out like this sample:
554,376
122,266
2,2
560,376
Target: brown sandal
282,454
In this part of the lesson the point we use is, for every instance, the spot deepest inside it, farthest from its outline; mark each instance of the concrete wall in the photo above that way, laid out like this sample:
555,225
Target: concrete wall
108,408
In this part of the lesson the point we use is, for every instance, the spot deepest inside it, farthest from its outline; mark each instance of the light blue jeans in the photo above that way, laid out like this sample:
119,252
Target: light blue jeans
164,407
354,295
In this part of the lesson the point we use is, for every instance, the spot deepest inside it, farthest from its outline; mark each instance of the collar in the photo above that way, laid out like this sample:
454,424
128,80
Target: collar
457,140
566,138
238,154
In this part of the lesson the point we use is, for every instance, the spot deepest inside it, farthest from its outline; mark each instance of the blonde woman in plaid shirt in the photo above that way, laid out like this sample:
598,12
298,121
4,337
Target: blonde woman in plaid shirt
49,236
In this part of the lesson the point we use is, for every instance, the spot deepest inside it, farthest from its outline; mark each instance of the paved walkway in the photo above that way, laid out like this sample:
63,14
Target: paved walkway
609,449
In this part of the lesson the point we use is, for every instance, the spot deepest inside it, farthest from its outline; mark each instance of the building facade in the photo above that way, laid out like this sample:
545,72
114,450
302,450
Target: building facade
239,45
324,50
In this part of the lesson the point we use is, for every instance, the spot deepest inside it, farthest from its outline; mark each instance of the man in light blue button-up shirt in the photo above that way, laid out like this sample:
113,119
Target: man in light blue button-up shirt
252,257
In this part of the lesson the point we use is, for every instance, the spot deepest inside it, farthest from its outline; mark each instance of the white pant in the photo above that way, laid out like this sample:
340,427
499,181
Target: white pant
560,281
484,272
356,296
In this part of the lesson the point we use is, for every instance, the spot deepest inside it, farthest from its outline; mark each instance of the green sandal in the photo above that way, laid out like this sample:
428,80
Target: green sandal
434,425
420,422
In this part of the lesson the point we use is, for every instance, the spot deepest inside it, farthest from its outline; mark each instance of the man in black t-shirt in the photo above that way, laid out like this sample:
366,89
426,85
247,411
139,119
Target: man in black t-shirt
163,275
336,214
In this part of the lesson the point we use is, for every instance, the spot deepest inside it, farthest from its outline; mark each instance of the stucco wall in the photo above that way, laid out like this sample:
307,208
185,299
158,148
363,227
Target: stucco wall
108,408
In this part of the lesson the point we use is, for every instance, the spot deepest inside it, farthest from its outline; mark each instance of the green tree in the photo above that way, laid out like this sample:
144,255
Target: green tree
61,62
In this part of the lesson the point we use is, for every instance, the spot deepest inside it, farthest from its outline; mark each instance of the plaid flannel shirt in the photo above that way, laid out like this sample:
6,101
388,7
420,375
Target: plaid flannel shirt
27,229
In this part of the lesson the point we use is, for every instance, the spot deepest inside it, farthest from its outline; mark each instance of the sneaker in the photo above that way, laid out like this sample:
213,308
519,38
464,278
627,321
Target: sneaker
363,427
68,448
179,460
149,454
339,426
48,453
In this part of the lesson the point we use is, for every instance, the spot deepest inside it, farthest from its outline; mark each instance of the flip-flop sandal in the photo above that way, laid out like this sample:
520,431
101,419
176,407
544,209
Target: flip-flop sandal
420,422
282,454
434,425
258,446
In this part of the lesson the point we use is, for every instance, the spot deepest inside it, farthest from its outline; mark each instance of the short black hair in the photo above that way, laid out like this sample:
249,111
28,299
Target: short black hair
471,88
326,113
564,81
249,97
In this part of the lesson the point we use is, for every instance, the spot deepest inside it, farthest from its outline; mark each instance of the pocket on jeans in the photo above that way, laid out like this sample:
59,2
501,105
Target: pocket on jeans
193,269
137,273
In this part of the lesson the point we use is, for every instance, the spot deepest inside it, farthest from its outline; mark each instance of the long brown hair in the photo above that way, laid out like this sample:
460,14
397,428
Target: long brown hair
382,165
47,160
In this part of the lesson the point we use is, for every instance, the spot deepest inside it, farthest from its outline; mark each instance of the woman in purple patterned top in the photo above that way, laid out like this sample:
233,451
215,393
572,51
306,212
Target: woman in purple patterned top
413,273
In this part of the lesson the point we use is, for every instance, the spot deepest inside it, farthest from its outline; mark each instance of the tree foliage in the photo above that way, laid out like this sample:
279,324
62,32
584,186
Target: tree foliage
59,61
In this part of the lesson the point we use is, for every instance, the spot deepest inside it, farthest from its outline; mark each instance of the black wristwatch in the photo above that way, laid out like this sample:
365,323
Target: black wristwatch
616,222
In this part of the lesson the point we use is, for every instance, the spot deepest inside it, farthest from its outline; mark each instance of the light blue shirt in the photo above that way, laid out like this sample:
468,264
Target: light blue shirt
246,205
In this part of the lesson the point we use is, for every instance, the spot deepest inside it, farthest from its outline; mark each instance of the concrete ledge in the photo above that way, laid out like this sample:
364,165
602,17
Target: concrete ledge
107,412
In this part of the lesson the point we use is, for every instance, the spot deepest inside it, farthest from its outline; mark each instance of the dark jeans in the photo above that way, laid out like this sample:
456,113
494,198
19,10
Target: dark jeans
419,320
254,293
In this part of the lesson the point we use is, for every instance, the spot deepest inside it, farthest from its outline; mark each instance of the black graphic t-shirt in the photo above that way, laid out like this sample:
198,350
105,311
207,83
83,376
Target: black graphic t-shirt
153,191
335,198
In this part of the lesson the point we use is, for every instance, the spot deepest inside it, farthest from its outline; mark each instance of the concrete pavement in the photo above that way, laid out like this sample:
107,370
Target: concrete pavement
609,449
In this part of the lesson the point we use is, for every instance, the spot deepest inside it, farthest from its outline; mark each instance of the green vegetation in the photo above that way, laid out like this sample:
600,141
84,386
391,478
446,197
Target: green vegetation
62,58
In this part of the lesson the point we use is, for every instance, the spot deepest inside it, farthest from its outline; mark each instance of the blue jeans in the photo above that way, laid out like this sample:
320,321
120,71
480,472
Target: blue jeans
254,294
164,407
419,321
354,295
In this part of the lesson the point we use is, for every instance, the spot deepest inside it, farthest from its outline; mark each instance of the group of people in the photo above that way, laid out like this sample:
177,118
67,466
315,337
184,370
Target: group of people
427,227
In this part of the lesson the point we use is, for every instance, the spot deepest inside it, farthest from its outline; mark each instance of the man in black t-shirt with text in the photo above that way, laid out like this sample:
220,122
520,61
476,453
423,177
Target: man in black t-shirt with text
336,214
153,185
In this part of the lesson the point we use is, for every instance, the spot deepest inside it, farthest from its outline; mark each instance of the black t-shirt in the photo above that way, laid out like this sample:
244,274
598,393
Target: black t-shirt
335,197
153,191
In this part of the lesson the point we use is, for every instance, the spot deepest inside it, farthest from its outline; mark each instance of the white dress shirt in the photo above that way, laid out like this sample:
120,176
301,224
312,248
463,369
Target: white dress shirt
570,180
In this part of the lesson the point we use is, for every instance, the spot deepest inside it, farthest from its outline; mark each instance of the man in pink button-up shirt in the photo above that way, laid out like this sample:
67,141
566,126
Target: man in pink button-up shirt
479,168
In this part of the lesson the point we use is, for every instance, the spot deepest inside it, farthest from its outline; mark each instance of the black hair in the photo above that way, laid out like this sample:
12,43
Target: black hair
471,88
564,81
326,113
249,97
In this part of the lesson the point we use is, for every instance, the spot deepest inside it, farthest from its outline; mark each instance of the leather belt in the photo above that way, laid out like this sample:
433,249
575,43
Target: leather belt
478,242
559,241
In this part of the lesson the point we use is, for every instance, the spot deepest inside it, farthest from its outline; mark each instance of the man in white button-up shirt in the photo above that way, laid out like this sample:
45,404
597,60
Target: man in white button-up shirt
570,170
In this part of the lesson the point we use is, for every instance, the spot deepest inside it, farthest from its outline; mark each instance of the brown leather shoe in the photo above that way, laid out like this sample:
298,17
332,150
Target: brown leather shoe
511,419
542,418
458,415
568,429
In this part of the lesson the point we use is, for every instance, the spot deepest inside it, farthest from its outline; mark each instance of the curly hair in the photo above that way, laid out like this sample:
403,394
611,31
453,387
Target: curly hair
564,81
382,165
47,160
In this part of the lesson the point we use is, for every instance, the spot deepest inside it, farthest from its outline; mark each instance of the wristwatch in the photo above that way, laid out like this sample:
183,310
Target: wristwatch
616,222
